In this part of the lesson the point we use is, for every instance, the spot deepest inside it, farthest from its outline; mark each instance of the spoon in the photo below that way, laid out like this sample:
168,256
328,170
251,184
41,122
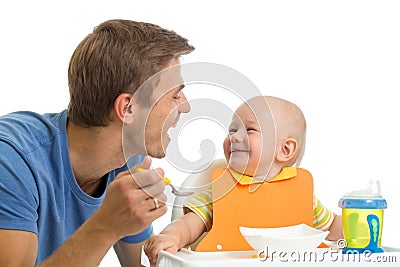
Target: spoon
175,191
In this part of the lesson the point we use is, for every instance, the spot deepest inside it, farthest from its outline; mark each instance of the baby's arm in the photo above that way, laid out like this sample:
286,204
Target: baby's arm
324,219
336,229
176,235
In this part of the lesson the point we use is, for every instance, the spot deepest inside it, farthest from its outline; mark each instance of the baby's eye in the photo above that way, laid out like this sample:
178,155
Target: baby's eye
251,129
232,131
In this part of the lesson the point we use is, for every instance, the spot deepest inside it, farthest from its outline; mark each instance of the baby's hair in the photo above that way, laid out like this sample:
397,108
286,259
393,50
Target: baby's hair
300,152
297,121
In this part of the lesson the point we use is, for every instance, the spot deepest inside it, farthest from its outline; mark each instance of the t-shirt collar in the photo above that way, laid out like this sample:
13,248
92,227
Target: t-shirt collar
286,173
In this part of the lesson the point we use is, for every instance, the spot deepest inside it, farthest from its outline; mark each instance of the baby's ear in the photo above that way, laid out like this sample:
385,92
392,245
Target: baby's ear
287,151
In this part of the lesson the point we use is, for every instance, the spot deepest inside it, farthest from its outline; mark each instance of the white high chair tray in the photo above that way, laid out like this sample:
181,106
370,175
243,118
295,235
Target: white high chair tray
322,257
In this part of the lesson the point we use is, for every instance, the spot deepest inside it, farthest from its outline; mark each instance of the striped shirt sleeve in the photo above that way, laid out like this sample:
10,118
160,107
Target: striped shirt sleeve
322,217
201,205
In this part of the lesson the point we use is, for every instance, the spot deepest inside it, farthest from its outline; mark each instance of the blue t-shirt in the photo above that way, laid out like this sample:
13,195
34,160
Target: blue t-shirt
38,190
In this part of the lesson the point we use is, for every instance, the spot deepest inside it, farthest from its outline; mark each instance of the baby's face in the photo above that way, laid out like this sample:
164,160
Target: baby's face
250,145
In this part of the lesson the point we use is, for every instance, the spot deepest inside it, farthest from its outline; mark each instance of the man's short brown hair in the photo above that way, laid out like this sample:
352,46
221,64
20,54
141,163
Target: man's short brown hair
117,57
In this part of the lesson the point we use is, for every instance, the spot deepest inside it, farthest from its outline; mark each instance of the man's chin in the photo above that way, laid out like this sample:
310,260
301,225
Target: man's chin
157,156
157,152
157,149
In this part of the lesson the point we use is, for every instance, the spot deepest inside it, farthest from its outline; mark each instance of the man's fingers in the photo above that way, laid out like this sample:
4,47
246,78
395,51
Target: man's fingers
157,213
162,198
146,177
145,164
154,189
156,202
143,178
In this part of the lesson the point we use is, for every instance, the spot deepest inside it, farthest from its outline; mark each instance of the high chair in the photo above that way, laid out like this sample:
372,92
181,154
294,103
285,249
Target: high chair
195,182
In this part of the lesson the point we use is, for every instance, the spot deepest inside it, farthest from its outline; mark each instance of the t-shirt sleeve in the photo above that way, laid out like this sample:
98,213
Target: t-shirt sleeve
18,192
142,236
201,205
322,217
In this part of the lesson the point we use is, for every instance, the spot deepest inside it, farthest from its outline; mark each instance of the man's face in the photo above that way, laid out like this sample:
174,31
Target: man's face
168,102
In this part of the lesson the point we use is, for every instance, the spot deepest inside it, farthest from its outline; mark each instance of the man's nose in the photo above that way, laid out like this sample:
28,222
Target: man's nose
184,106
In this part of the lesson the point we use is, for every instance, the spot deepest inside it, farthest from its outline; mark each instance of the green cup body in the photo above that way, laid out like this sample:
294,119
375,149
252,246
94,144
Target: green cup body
358,232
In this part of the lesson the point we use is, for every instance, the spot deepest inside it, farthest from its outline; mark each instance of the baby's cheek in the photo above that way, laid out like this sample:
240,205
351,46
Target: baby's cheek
227,147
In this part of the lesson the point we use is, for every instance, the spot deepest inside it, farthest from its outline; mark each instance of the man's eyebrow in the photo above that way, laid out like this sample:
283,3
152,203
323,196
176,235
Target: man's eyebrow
176,90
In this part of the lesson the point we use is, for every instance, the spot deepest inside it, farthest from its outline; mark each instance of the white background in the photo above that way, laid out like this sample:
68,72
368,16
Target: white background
338,60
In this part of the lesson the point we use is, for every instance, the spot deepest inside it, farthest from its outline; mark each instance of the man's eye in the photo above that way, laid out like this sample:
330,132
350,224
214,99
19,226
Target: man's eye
177,96
251,129
232,131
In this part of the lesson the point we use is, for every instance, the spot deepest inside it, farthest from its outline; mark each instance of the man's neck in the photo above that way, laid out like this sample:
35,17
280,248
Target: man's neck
94,152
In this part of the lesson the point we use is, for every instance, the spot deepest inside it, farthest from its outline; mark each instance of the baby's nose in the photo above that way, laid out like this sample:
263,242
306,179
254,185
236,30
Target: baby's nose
237,137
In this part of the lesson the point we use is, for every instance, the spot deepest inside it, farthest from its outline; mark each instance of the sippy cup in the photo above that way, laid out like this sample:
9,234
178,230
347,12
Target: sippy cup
362,218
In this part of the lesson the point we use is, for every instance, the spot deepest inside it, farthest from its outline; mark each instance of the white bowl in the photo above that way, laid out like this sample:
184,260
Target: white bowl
300,237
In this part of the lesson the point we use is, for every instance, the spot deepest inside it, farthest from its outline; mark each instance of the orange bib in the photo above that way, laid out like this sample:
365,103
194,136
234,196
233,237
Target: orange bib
272,204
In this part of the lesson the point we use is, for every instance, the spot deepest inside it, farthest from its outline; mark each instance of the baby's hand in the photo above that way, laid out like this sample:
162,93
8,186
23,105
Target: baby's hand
159,242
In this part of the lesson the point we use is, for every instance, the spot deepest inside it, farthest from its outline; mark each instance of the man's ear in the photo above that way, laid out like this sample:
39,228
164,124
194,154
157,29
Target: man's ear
287,150
123,107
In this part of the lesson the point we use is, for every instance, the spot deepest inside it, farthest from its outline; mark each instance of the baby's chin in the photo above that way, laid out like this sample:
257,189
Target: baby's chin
248,170
241,169
241,164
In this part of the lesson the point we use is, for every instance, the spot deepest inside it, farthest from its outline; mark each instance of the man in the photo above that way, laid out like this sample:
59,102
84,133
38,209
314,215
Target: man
66,193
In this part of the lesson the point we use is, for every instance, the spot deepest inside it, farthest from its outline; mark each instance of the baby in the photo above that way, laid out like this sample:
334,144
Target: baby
261,188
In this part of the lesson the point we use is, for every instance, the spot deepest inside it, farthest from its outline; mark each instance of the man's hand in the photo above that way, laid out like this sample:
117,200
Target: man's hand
127,209
133,201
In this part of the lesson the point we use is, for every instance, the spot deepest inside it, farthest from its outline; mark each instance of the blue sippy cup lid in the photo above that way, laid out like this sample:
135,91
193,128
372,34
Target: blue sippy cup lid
359,203
369,198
